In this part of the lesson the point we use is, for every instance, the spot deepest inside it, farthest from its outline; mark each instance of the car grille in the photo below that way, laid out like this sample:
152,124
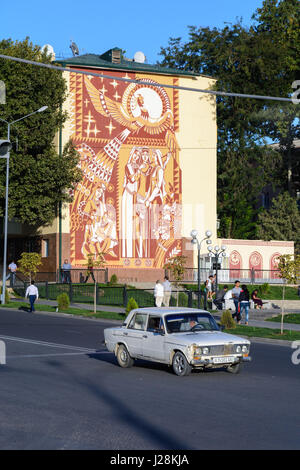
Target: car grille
222,349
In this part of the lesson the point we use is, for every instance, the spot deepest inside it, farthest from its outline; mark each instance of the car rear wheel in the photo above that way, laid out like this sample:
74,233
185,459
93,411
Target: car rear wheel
234,368
123,357
180,365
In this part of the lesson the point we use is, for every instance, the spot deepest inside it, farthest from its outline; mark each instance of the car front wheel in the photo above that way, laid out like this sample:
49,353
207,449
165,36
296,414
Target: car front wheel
123,357
180,365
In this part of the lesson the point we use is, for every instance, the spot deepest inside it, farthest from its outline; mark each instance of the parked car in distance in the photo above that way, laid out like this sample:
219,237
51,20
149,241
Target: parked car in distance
184,338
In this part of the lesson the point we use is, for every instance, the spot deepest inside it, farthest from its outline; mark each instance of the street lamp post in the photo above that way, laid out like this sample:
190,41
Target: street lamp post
7,156
195,241
217,252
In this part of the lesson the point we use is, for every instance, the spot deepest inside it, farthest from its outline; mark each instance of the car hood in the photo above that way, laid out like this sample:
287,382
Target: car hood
207,338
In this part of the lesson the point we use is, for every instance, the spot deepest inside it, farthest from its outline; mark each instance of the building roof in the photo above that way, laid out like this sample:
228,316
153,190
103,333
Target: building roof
115,60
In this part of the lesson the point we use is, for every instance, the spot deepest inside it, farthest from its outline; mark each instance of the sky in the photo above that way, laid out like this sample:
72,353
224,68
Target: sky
97,25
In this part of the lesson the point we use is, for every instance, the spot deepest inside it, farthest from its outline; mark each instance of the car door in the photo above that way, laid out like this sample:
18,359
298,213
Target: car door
154,339
134,334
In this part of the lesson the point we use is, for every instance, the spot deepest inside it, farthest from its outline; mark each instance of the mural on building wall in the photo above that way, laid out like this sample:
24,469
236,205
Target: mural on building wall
235,264
128,204
274,274
256,263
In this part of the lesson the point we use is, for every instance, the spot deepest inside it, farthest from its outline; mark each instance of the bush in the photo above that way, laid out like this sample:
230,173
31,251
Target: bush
63,301
263,289
113,280
182,300
132,304
227,321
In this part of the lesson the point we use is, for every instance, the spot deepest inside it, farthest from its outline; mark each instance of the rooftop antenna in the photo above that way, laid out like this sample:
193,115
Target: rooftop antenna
74,48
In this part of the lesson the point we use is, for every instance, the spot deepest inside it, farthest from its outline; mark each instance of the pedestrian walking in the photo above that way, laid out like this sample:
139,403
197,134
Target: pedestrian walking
209,287
158,293
66,272
235,296
244,304
33,294
12,273
167,291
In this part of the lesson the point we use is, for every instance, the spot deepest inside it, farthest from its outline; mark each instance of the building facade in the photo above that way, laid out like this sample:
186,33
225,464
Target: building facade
148,157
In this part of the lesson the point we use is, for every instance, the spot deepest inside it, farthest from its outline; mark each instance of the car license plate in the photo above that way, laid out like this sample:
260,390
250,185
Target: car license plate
222,360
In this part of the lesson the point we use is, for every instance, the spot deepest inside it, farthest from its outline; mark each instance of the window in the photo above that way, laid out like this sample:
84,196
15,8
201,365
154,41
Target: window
138,322
45,248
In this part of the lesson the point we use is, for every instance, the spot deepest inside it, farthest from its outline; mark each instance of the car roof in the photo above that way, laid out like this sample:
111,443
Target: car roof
168,310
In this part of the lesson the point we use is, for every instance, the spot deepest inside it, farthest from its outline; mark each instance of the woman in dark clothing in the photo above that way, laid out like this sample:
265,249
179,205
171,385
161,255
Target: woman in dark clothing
244,304
257,301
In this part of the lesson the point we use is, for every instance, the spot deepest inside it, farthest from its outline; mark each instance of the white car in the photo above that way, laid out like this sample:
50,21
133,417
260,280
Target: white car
183,338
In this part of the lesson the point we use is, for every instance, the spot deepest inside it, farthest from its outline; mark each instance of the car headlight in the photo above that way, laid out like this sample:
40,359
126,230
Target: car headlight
205,350
238,349
197,351
245,349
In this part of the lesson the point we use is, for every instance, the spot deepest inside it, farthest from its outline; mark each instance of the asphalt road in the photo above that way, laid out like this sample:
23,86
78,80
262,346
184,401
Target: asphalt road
61,390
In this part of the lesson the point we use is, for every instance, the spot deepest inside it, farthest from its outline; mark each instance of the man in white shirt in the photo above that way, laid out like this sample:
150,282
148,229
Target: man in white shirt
158,293
33,294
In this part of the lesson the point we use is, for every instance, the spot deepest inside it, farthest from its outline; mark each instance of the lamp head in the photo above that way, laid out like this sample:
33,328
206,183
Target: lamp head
208,233
43,108
194,234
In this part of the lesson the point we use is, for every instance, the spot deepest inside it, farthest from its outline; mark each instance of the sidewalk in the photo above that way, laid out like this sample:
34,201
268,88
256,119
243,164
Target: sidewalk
254,315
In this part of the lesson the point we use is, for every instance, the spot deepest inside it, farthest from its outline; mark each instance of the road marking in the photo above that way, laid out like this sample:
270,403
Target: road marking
46,343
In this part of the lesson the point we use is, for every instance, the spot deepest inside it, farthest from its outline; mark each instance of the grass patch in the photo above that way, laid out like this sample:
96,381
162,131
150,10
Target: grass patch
71,310
288,318
288,335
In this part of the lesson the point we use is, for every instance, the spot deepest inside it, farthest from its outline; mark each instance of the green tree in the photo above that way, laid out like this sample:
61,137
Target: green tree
281,221
29,263
288,271
40,178
260,60
176,266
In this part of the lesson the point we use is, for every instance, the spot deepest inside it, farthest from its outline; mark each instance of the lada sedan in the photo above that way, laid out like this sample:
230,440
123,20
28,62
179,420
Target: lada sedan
183,338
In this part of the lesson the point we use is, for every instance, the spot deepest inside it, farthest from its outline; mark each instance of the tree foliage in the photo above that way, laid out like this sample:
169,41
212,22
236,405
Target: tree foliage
281,221
40,178
259,60
29,263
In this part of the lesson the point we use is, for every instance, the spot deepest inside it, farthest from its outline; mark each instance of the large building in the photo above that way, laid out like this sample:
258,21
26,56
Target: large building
148,157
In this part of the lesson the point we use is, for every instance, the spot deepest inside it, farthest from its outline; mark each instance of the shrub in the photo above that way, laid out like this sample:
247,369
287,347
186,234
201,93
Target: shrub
263,289
113,280
132,304
63,301
182,299
227,321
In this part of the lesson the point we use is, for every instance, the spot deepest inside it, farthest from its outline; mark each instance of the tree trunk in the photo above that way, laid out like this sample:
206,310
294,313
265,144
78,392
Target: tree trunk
282,309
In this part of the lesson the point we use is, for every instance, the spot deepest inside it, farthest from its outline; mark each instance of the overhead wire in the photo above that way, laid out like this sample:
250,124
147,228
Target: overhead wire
132,80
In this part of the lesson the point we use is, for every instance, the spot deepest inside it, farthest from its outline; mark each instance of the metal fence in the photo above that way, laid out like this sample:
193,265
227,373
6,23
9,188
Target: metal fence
108,295
247,276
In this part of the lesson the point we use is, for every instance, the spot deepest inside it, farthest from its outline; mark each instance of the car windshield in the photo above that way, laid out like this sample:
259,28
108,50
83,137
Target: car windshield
190,322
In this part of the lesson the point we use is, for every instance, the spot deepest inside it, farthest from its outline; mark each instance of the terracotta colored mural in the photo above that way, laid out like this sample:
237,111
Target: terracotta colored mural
128,204
235,264
256,263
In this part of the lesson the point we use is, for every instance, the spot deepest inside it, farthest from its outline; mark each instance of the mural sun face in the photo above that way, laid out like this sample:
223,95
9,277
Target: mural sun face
149,100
